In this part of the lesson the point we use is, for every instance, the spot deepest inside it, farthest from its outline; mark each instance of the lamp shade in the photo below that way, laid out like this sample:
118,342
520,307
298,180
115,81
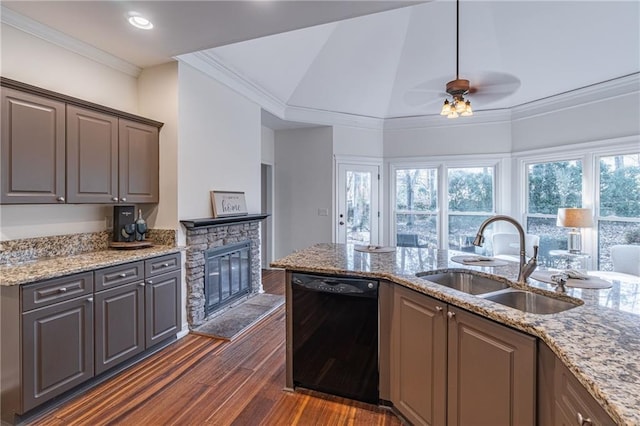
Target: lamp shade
574,218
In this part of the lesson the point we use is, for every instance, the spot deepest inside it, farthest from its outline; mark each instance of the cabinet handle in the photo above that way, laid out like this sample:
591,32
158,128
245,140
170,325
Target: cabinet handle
439,308
123,199
62,290
582,421
123,275
451,314
149,282
165,265
115,199
61,199
90,300
141,284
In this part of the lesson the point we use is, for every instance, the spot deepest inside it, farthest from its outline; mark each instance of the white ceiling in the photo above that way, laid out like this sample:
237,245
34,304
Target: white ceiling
390,64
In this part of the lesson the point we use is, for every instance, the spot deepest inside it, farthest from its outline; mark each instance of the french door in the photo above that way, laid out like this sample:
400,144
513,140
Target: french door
358,210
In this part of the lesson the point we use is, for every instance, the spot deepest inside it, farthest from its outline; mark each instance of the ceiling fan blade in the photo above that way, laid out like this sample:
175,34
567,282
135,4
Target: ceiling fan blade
492,86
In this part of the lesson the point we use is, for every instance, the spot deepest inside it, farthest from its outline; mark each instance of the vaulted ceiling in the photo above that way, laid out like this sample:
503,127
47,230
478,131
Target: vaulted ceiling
374,59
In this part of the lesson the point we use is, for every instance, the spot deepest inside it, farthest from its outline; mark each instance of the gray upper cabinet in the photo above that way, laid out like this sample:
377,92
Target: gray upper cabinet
59,149
138,162
92,156
33,149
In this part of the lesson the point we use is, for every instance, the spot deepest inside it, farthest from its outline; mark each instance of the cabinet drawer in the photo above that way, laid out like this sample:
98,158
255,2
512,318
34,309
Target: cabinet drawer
162,264
56,290
118,275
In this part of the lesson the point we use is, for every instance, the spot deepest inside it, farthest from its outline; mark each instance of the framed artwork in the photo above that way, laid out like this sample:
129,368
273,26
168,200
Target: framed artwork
228,203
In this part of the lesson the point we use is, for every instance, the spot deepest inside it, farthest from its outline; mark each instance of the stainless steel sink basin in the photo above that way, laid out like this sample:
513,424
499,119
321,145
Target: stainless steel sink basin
465,282
533,303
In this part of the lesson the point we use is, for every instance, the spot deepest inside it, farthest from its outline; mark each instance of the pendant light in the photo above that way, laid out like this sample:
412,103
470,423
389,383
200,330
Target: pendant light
457,88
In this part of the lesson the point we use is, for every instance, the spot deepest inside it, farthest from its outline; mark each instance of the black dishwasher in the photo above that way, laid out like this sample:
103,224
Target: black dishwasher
335,335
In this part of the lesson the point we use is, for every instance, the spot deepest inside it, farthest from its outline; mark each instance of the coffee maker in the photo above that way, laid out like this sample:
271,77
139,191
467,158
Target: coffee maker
124,226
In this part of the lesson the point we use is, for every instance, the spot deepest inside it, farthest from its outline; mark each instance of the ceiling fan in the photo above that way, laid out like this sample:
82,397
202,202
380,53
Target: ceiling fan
487,87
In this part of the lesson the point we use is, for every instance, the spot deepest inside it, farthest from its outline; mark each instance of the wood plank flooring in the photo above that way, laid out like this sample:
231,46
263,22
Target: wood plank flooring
204,381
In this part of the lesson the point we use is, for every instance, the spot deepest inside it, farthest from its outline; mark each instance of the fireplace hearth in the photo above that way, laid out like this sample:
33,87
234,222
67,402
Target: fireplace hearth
222,265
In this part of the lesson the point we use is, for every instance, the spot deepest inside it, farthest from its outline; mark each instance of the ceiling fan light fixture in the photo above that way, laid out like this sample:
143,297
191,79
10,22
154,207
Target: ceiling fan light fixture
459,87
467,109
446,108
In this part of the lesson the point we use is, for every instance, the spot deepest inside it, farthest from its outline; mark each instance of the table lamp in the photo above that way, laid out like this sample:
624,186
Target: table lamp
574,218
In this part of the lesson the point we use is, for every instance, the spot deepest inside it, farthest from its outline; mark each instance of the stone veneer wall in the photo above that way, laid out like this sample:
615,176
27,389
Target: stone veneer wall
28,249
202,239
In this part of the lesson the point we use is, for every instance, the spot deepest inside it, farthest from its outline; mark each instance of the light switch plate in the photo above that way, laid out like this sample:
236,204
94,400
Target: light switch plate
323,212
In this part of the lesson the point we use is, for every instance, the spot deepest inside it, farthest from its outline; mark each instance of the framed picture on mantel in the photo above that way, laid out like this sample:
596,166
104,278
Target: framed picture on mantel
228,203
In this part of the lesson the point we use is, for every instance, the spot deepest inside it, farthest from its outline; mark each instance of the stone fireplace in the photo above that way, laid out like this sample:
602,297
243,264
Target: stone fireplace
222,264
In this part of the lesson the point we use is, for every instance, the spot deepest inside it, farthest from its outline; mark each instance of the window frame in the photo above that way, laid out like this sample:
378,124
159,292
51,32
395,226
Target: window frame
589,153
442,164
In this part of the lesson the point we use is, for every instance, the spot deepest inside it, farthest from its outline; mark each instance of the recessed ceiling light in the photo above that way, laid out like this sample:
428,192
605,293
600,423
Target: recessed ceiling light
139,21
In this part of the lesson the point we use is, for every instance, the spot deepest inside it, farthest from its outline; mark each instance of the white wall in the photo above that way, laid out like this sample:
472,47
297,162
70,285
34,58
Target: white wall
585,122
268,143
158,94
31,60
34,61
354,141
303,184
463,136
220,144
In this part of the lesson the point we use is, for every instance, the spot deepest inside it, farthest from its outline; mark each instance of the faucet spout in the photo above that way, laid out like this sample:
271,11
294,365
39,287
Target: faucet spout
526,268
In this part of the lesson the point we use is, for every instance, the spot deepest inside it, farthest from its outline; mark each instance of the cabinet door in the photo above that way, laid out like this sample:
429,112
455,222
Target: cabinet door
119,325
33,149
492,373
162,307
92,156
574,404
57,349
138,162
418,357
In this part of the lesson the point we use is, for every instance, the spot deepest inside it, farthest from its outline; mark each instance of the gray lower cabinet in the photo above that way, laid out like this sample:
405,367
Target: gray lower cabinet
57,349
59,333
562,399
119,325
162,302
449,366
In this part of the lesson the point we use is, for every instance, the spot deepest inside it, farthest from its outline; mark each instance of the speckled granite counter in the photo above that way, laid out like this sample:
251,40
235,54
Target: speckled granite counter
32,271
599,340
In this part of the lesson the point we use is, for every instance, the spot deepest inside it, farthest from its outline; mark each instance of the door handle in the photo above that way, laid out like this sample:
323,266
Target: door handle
341,223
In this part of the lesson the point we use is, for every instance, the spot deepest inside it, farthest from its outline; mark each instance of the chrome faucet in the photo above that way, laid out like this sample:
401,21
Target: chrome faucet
526,268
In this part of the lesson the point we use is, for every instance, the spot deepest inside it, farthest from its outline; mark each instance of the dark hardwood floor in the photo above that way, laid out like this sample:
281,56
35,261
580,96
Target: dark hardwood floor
204,381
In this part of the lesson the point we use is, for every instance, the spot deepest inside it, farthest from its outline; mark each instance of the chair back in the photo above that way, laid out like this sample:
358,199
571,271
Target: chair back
407,240
508,243
626,258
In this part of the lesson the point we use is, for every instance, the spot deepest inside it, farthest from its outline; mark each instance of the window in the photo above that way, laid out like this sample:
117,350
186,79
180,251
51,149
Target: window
471,201
618,215
442,205
416,207
549,186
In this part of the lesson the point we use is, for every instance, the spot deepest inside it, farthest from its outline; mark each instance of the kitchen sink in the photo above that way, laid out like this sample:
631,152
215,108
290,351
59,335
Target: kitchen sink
465,282
533,303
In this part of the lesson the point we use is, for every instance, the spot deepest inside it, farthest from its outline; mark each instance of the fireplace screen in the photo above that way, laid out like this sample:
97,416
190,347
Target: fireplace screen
227,274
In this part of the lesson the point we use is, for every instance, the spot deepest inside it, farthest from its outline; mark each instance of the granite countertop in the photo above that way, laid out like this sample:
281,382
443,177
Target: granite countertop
599,341
31,271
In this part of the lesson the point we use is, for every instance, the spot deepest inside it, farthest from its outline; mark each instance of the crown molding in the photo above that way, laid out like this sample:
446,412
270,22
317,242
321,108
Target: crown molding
434,121
210,64
332,118
585,95
29,26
